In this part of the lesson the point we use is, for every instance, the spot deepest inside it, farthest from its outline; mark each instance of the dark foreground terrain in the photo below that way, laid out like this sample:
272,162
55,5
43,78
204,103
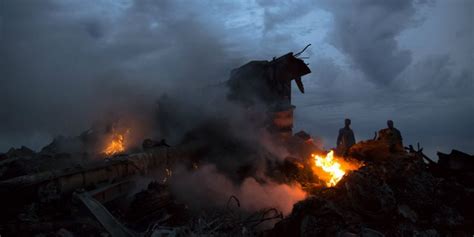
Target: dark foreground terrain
394,193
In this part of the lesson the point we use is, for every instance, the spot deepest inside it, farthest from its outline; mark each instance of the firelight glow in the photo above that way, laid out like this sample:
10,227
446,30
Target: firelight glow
330,166
116,145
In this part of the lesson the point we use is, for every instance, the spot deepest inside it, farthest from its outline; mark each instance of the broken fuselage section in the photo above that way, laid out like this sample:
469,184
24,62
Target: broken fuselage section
268,83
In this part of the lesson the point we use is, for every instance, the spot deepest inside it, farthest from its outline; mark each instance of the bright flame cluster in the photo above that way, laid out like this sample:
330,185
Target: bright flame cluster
116,145
330,166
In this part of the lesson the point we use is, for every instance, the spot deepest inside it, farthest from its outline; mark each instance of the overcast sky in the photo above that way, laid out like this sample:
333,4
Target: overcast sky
64,63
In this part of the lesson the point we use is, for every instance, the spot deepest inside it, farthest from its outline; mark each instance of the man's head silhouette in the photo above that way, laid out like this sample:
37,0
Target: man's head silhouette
347,122
390,123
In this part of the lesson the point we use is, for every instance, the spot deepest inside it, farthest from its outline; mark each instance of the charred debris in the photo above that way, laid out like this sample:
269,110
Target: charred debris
89,185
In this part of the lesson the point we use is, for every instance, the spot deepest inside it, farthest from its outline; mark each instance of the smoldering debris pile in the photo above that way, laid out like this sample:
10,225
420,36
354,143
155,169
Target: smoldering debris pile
96,200
55,192
393,194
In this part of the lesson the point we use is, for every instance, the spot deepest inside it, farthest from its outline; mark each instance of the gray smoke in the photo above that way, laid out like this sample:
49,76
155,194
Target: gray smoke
66,65
210,188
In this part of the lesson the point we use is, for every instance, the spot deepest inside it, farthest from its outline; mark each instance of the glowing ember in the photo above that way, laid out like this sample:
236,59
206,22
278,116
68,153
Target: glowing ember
116,145
331,167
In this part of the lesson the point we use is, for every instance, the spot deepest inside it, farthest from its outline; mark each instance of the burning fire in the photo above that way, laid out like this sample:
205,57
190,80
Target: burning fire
116,145
331,167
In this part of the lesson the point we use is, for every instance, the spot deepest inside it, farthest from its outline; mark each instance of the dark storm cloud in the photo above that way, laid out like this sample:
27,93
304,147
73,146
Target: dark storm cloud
366,31
437,76
64,66
276,13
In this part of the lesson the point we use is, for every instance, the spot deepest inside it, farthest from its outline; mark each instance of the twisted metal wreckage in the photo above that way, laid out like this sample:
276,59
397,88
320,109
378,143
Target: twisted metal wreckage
102,182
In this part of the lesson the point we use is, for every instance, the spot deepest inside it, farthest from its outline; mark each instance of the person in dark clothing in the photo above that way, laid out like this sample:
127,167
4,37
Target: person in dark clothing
345,139
392,136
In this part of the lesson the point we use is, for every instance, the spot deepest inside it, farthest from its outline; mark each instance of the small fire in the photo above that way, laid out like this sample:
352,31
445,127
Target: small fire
331,167
116,145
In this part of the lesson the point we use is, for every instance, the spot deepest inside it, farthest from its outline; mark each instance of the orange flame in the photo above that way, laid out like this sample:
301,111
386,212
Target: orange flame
331,167
117,145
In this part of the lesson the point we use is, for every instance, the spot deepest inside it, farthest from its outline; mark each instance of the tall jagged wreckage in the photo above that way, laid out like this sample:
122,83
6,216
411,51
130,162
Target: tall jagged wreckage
269,83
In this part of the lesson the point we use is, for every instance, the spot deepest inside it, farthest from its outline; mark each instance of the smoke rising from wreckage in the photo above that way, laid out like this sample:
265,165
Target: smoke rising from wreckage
223,180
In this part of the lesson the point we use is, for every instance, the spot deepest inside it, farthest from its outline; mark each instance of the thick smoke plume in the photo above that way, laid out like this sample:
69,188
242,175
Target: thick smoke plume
149,65
65,66
208,188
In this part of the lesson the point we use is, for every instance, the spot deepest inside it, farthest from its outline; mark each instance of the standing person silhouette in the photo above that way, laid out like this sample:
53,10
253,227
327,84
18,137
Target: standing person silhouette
345,139
392,136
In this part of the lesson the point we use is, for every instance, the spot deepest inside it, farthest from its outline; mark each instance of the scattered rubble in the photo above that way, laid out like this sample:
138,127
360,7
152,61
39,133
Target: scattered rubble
393,194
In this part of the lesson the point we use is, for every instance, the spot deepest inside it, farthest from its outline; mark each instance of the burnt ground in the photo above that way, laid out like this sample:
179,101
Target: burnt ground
395,193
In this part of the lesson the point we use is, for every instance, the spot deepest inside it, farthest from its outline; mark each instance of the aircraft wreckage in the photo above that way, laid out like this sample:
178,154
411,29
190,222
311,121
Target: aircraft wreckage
373,191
